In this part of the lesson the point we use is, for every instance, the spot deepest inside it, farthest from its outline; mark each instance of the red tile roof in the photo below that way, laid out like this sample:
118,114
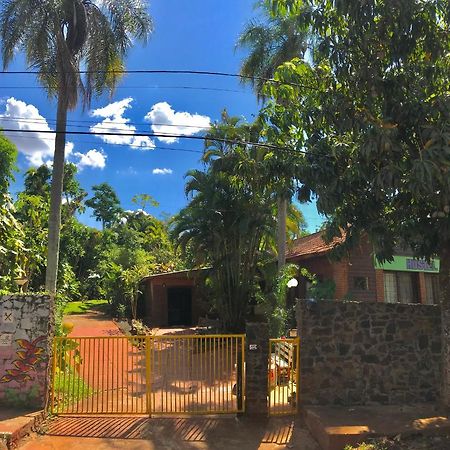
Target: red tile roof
311,245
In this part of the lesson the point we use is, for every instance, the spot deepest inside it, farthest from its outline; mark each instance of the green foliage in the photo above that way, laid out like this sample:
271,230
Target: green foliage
95,34
229,217
80,307
22,399
271,42
144,200
369,446
121,310
319,290
69,387
105,204
8,156
57,37
278,314
131,278
12,249
376,136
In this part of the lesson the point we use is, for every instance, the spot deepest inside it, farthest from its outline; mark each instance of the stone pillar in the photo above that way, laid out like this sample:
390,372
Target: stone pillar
256,359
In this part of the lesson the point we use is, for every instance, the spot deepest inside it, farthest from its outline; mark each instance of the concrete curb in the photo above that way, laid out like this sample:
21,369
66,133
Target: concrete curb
15,429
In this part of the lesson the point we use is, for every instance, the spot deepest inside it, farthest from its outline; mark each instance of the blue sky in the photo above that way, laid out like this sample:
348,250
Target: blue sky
188,35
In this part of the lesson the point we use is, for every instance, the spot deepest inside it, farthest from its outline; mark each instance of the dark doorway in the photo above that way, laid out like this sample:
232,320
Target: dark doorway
179,302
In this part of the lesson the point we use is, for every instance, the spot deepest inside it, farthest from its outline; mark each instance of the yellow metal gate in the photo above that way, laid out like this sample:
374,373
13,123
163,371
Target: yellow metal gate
148,375
283,373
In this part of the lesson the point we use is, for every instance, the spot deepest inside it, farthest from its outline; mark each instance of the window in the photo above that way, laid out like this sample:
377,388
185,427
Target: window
431,289
361,283
390,287
400,287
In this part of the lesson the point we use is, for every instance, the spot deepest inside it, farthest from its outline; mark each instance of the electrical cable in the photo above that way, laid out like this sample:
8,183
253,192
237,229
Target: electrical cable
161,72
157,135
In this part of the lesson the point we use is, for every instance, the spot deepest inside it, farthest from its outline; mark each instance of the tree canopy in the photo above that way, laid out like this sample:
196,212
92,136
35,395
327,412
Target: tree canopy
369,118
229,223
57,36
105,204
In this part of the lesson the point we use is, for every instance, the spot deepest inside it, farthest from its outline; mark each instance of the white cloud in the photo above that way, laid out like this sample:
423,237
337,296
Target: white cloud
114,122
93,158
165,119
162,171
37,147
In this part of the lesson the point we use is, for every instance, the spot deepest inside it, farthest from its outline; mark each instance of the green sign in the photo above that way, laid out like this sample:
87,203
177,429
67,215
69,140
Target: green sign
409,264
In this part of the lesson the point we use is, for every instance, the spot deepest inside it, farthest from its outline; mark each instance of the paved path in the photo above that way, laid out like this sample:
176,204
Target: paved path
127,433
92,324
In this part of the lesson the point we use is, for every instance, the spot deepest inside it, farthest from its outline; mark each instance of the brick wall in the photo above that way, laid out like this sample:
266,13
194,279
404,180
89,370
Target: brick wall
379,280
361,265
356,353
25,338
341,278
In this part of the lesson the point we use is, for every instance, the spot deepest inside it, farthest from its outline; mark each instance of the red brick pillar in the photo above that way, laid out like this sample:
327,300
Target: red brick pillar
422,288
379,279
340,277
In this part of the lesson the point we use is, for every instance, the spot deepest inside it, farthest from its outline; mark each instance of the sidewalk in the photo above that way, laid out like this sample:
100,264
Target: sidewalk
104,433
15,424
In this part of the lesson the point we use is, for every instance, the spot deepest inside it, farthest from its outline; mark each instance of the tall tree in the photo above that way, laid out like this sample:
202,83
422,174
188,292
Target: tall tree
271,42
8,156
228,217
373,116
105,203
57,36
11,233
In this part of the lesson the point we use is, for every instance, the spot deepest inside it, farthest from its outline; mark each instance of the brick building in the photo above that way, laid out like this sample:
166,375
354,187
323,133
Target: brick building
360,277
173,299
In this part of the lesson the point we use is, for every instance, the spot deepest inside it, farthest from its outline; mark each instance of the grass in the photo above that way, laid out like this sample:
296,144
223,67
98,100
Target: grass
85,306
69,388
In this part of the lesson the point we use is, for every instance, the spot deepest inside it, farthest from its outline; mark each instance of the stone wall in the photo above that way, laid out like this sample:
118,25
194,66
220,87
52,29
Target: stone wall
368,353
24,349
256,362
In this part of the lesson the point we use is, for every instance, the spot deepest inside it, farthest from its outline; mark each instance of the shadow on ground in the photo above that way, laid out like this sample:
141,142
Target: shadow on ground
213,433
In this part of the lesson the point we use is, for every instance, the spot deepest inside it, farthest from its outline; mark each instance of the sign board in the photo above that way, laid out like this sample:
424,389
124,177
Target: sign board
253,347
6,340
409,264
8,316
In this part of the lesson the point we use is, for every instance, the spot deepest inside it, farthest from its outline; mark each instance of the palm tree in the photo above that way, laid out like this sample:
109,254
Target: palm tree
271,43
228,218
57,36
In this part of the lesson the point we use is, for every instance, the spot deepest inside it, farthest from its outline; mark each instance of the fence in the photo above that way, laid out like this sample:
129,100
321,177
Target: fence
176,374
283,373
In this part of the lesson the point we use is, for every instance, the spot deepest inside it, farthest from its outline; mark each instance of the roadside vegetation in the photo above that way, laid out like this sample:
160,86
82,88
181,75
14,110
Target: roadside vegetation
354,114
94,264
81,307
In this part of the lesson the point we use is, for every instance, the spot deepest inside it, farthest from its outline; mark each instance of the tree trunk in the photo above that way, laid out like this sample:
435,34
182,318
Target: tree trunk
444,285
281,232
54,221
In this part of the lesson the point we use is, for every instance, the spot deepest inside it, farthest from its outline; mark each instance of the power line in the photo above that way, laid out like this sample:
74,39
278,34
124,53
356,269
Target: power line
242,91
137,147
159,72
157,135
90,122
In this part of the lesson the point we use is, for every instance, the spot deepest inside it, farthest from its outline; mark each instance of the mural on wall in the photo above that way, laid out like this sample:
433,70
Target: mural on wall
28,357
24,340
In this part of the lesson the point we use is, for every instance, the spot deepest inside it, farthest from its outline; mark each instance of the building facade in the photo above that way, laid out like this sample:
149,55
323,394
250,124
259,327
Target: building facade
360,277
